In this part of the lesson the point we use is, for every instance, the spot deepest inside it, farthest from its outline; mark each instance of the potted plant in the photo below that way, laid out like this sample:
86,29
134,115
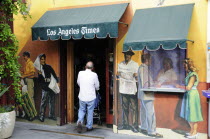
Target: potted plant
7,117
9,66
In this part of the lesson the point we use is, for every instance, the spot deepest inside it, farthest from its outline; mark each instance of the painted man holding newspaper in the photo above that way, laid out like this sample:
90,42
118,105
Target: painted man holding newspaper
127,73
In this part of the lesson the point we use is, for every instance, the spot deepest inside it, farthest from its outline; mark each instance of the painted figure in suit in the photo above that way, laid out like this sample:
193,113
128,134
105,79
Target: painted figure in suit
147,112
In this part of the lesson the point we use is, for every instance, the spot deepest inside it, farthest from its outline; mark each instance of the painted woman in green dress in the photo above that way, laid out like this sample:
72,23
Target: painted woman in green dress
191,107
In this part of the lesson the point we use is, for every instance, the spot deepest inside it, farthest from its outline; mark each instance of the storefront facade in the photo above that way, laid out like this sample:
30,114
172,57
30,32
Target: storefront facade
60,53
92,38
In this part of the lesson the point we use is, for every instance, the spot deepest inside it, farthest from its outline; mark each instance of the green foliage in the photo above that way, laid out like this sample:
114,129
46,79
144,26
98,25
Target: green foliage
7,108
4,90
9,66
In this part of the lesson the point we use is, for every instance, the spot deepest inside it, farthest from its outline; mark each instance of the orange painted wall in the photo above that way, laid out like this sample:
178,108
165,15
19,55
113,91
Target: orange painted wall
168,106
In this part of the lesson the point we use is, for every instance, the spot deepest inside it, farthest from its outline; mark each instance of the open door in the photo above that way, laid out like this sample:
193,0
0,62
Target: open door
63,82
109,81
66,82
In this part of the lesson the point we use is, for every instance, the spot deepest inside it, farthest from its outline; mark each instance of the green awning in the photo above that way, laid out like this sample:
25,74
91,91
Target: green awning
155,27
87,22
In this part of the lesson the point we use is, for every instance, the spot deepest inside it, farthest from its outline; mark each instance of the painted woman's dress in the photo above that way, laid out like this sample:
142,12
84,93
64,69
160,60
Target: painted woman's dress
191,107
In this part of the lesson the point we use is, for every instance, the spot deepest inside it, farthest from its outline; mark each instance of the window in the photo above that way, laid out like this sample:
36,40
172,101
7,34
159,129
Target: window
165,69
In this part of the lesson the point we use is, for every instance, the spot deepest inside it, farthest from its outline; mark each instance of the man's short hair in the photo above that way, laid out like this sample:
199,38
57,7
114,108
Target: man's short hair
26,53
145,57
42,55
89,65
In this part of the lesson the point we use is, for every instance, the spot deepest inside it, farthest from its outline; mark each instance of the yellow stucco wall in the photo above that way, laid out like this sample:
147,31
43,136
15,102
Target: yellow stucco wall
197,31
22,28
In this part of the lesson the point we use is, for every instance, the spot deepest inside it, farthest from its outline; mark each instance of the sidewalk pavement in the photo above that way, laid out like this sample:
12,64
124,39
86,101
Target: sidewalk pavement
25,130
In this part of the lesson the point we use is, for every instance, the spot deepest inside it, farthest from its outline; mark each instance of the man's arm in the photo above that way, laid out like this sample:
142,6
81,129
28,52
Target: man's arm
142,76
78,79
40,77
118,71
28,75
97,82
135,75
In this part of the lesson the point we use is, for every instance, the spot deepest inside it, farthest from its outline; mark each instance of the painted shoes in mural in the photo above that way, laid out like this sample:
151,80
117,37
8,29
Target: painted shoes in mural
143,131
52,118
191,136
157,135
134,129
41,118
31,118
79,127
123,127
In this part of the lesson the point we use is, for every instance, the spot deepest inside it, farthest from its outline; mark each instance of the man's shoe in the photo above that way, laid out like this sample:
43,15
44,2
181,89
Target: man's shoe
31,118
52,118
157,135
192,136
143,131
41,118
187,134
89,129
123,127
79,127
134,129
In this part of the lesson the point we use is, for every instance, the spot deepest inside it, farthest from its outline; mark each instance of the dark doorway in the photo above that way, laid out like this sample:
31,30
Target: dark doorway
63,82
96,50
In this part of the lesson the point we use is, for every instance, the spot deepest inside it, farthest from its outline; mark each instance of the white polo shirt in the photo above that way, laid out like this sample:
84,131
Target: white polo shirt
88,83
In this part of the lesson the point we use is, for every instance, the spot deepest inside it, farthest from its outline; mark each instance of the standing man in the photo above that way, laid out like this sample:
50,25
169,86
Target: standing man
147,113
28,75
44,77
127,72
88,83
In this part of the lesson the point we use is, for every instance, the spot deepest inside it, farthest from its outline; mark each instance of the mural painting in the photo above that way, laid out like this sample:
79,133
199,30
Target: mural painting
160,71
39,89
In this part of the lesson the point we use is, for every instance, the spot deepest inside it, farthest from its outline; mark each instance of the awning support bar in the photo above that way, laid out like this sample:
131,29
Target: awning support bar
191,41
123,23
